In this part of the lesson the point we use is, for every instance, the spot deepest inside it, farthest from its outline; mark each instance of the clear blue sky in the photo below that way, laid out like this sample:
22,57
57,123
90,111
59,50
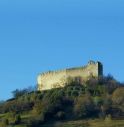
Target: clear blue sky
42,35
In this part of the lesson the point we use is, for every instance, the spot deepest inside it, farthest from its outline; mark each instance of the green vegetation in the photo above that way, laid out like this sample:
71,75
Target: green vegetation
96,103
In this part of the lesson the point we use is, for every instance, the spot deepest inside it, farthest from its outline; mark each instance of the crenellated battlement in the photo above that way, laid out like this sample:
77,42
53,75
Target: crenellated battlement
52,72
53,79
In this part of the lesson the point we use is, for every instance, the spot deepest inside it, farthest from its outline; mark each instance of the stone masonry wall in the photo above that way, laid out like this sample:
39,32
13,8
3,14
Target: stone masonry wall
57,79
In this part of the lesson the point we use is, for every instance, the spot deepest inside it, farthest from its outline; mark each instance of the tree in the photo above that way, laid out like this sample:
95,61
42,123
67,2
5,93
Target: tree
17,93
83,106
118,96
20,92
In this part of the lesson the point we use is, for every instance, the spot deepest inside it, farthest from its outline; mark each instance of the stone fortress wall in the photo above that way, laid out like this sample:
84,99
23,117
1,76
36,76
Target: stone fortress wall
56,79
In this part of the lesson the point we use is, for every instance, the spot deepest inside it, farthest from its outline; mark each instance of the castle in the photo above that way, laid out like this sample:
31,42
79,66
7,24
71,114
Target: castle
56,79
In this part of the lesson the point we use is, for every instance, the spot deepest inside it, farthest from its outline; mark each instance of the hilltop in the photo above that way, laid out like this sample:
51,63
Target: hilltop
98,101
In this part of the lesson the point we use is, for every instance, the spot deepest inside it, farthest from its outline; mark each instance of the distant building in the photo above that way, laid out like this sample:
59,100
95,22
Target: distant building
56,79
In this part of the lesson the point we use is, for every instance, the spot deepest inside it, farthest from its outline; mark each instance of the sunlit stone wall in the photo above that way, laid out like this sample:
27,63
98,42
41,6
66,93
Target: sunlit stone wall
56,79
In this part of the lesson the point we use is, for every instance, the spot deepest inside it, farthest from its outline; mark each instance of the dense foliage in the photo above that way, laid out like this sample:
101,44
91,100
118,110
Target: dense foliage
92,99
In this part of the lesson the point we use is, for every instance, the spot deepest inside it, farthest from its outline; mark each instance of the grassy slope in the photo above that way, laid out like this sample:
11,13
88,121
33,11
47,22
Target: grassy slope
89,123
77,123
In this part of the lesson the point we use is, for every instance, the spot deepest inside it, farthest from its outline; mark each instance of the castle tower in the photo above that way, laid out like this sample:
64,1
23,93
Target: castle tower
56,79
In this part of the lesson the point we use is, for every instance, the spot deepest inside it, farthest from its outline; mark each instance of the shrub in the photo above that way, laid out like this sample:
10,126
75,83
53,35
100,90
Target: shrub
17,119
60,115
75,93
5,122
98,100
108,118
35,122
